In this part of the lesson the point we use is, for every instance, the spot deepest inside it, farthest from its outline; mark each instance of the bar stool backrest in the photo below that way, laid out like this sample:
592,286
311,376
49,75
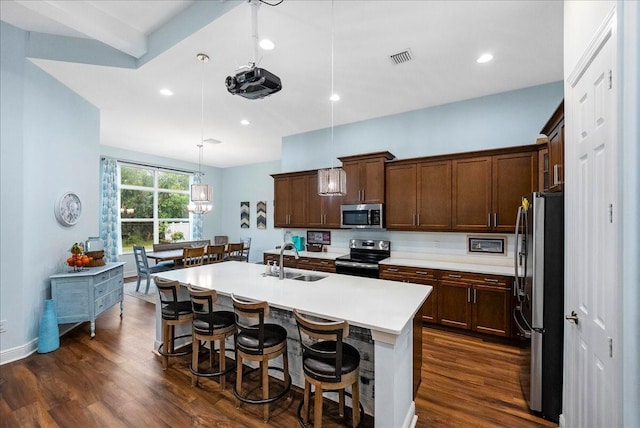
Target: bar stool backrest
246,313
168,291
311,332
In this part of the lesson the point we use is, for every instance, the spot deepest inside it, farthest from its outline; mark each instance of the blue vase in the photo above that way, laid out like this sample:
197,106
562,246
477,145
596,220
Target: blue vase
49,335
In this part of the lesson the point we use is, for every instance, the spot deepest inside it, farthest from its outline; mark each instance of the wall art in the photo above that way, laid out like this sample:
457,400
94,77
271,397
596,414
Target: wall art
244,215
261,217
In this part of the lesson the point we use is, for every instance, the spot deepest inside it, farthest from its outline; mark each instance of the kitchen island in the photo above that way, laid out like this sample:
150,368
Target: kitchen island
383,309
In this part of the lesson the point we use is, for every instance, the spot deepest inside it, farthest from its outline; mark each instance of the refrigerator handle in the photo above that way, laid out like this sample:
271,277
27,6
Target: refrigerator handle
516,289
525,333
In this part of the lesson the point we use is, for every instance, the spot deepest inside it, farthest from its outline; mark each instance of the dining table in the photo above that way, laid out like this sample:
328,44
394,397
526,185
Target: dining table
166,255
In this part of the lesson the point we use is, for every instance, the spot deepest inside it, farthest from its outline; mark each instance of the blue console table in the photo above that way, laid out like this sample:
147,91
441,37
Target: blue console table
84,295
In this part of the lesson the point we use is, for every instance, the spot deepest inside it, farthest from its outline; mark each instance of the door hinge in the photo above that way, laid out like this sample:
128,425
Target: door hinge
611,347
610,79
610,213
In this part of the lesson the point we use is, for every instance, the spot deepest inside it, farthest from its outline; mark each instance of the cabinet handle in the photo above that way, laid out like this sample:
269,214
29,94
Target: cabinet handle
469,295
392,270
421,272
491,280
475,295
489,220
495,219
363,194
418,222
413,220
454,276
556,178
324,263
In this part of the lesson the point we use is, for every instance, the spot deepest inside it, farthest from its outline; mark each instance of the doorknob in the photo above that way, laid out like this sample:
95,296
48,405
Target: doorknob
572,318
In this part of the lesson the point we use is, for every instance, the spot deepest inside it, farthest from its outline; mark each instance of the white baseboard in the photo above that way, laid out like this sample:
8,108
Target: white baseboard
411,419
19,352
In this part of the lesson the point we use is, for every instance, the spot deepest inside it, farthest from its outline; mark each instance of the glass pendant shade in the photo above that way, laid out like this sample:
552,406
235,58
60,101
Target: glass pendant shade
332,182
201,193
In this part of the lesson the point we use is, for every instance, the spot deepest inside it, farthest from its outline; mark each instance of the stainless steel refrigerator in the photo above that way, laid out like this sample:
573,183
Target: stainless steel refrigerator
538,314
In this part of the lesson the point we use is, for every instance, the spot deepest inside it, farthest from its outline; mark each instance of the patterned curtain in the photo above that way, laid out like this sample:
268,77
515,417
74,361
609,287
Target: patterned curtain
196,226
109,208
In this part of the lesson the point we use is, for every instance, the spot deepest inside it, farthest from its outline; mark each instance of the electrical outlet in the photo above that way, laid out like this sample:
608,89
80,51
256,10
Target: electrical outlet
2,326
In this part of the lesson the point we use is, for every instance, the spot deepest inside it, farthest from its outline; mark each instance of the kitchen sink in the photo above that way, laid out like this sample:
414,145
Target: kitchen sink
309,278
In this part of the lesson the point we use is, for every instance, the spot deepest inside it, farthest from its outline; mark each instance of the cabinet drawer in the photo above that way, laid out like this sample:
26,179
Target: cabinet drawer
407,273
101,277
119,271
477,279
107,301
107,286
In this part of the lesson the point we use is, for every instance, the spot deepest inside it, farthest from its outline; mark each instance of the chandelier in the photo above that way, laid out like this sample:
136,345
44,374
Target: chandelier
201,194
332,181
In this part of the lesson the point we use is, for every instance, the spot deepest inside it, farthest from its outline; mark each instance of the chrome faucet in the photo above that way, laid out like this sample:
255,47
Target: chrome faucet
284,246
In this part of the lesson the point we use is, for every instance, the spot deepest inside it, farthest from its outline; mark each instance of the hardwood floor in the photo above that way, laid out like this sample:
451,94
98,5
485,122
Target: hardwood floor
115,380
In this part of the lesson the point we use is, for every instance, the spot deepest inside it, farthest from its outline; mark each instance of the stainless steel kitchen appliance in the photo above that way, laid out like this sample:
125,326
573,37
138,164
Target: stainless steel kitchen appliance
362,216
363,258
539,280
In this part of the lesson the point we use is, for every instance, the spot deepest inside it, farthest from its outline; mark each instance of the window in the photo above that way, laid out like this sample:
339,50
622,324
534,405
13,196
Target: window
153,206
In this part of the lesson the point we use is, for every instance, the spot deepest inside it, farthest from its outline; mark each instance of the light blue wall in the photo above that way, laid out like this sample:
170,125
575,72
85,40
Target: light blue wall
50,145
251,183
511,118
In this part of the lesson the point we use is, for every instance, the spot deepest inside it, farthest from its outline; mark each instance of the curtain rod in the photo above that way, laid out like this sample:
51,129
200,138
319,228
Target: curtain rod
149,165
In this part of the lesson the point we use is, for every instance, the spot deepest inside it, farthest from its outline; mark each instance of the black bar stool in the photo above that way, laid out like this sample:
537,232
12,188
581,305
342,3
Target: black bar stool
259,342
174,312
209,326
328,364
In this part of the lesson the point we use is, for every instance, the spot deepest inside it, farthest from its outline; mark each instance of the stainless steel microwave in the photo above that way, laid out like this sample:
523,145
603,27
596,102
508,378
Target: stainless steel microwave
362,216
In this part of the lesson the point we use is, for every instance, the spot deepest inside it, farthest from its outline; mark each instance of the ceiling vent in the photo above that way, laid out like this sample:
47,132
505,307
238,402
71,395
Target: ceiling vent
401,57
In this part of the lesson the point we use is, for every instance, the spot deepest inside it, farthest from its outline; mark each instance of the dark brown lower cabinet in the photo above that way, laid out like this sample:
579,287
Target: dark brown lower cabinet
308,263
416,276
475,302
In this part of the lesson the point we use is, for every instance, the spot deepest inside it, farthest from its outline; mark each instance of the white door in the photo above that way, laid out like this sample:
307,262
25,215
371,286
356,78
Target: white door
592,353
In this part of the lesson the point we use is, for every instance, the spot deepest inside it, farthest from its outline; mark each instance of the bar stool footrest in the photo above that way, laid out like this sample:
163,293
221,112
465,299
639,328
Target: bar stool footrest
303,425
162,352
269,400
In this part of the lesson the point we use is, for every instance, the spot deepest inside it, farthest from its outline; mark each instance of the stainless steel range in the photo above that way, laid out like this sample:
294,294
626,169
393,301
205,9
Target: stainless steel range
364,256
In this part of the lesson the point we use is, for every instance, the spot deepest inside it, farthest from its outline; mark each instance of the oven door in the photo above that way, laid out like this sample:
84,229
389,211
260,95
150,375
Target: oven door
368,270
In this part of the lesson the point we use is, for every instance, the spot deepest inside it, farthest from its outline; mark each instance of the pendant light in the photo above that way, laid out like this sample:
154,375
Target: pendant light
201,194
332,181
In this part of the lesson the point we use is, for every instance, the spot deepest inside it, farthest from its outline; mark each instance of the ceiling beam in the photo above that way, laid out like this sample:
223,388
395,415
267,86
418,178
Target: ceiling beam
92,22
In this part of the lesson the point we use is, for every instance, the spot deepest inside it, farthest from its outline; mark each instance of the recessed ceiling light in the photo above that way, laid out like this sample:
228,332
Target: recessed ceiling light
166,92
484,58
335,97
245,122
267,44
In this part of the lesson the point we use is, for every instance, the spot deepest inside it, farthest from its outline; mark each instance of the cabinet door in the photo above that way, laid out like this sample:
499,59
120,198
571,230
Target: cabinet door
471,194
556,159
434,196
430,307
280,202
331,211
298,201
315,214
352,170
454,307
514,176
491,310
400,209
372,180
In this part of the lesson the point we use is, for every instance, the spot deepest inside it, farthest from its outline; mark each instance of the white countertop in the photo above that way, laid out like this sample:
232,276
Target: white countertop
380,305
331,255
464,263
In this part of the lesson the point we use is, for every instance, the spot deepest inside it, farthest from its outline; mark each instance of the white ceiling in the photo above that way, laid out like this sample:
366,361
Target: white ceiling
445,38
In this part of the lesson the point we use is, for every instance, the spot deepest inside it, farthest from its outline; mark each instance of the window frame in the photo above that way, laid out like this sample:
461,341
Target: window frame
155,190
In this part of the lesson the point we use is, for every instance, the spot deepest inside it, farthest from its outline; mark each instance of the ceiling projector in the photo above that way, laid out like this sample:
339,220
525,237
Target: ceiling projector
253,83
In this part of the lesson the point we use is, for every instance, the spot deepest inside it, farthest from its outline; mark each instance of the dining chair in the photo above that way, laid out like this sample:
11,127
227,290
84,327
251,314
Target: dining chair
221,240
215,253
192,256
234,251
143,268
246,247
